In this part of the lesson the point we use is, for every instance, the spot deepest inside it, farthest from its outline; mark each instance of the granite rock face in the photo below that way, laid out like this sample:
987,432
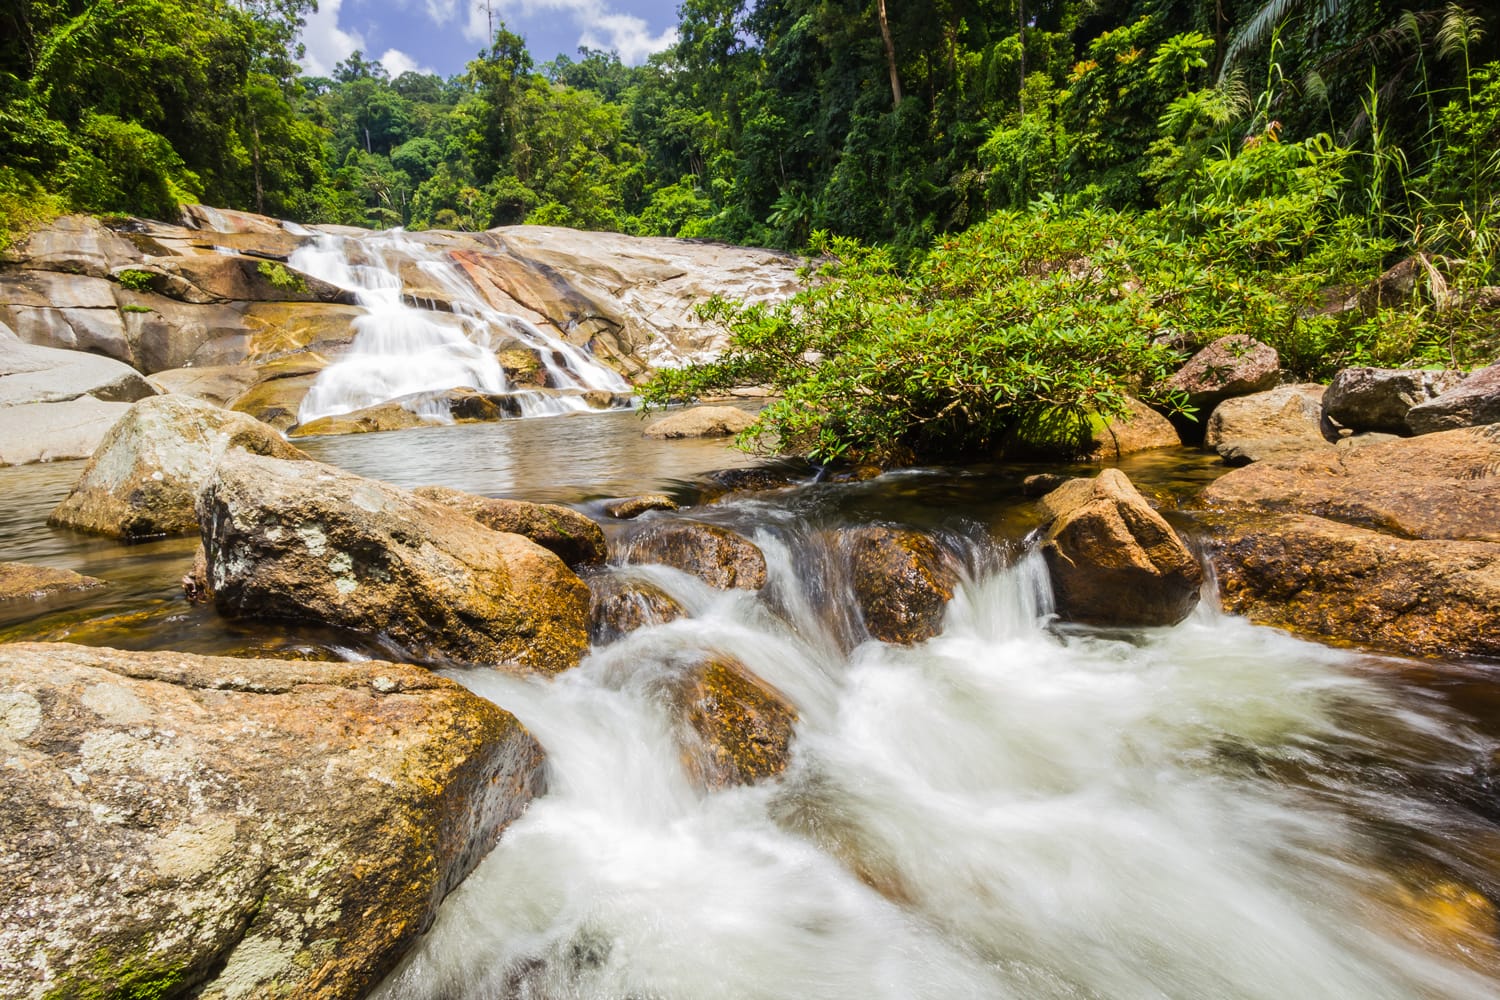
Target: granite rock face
1473,402
1378,399
177,825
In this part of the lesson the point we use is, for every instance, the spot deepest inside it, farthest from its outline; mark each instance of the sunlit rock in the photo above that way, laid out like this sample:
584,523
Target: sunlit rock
619,605
737,729
1236,365
179,825
575,539
1279,421
1473,402
715,555
1378,399
902,582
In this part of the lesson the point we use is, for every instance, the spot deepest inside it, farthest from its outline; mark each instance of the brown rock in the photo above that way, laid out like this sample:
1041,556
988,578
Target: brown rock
1326,579
619,606
1473,402
1377,399
178,825
633,507
751,479
1442,485
215,277
902,582
216,384
1236,365
277,397
26,589
146,473
376,419
464,406
700,421
738,728
715,555
576,539
1114,562
1139,429
307,542
1283,420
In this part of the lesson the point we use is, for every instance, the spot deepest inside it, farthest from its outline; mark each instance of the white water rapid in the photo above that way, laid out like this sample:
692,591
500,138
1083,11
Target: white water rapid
1045,815
404,352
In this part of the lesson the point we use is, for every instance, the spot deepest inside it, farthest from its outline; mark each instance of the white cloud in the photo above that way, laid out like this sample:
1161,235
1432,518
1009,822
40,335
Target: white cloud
325,41
600,26
397,62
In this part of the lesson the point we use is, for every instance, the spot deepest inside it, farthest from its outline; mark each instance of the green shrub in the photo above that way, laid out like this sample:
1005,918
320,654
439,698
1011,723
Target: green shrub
136,281
282,279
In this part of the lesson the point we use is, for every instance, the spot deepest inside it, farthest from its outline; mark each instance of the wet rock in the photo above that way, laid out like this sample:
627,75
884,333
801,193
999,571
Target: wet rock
195,585
216,384
738,729
277,396
715,555
575,539
633,507
619,606
1473,402
602,399
902,582
1442,485
179,825
1377,399
1280,421
144,478
27,589
422,409
700,421
1042,483
1327,580
307,542
1113,561
392,416
752,479
1236,365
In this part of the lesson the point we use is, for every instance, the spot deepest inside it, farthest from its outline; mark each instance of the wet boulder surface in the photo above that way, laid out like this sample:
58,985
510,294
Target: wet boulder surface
717,556
735,729
902,582
575,539
175,825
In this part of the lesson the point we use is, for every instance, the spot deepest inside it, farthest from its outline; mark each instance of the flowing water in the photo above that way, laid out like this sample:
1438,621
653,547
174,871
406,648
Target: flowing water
1011,809
408,350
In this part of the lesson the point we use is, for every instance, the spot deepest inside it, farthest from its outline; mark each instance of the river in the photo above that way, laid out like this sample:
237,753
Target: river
1012,809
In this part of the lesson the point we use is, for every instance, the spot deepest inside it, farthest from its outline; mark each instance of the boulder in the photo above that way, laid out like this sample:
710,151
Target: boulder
737,729
1442,485
717,556
144,478
1114,561
902,582
1283,420
1473,402
423,409
752,479
1236,365
619,606
700,421
574,538
307,542
1326,579
175,825
1139,429
54,432
277,397
26,589
1377,399
392,416
633,507
216,384
32,374
1064,435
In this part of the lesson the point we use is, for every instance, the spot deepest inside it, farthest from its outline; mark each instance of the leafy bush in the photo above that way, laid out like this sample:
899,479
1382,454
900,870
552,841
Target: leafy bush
282,279
136,281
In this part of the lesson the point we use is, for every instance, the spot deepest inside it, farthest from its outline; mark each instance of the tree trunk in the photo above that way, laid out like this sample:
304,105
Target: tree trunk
890,53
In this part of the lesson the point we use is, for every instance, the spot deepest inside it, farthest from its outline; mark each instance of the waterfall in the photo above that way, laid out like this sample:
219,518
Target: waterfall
402,351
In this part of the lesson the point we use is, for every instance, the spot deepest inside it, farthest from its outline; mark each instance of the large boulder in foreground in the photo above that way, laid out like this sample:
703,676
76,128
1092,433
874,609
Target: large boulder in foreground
700,421
1114,561
574,538
1378,399
1280,421
1473,402
144,478
1236,365
308,542
1441,485
717,556
1327,579
176,825
902,582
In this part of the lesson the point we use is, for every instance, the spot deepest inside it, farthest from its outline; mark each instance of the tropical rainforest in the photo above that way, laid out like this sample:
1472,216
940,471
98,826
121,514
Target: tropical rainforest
1040,203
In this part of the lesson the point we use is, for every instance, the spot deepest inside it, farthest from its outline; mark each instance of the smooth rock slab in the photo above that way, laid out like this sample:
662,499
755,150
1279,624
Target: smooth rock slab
177,825
26,589
305,541
144,478
1114,561
1443,485
55,432
1330,580
32,374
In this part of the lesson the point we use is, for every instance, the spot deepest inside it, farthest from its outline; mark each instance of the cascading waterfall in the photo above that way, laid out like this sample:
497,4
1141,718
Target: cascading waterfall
1035,813
403,352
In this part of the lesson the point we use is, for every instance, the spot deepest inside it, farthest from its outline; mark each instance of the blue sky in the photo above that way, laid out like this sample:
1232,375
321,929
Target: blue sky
440,36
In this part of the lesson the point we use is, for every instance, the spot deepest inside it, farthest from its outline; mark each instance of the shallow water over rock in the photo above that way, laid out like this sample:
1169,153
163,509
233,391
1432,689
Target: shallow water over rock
1010,809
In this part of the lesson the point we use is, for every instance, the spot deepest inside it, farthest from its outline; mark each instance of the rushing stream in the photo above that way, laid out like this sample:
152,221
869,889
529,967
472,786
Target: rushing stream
1008,810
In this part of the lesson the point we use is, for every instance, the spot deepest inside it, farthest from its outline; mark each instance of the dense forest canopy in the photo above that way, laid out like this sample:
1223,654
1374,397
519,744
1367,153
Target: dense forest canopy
1025,208
886,120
